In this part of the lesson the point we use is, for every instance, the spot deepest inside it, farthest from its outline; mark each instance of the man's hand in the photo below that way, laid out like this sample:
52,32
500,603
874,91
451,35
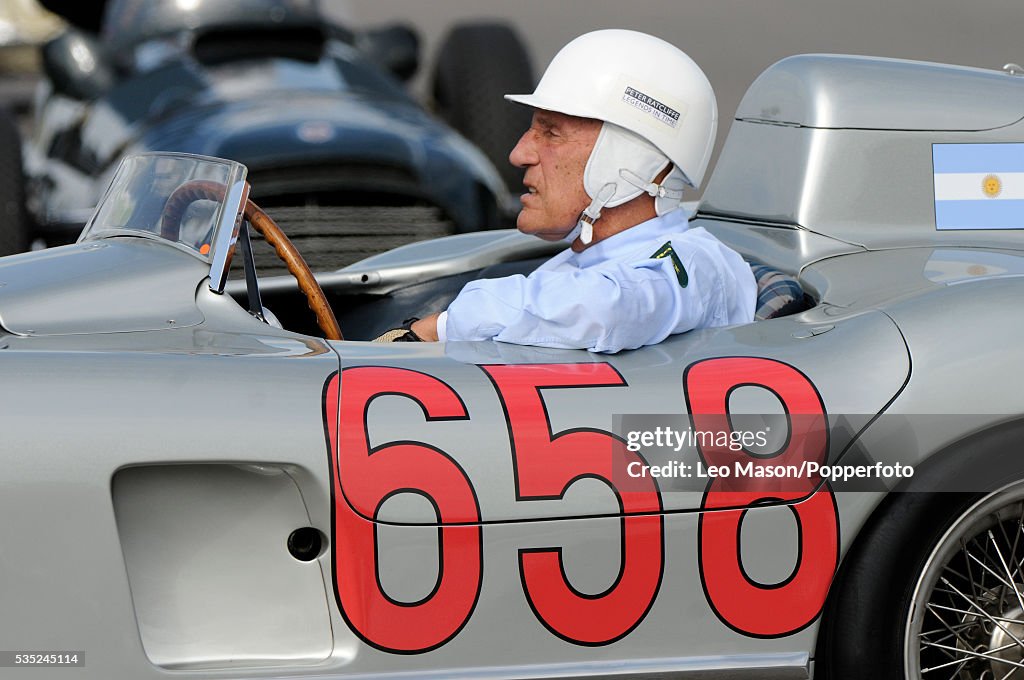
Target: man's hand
426,328
419,330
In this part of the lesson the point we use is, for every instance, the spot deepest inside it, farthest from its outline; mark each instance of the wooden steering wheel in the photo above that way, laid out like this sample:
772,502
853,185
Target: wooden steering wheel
200,189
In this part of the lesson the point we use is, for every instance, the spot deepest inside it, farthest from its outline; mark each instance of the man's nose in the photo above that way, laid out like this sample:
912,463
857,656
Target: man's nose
523,153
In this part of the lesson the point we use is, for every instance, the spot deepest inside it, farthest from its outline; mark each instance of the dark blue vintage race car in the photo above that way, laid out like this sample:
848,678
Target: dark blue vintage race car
343,157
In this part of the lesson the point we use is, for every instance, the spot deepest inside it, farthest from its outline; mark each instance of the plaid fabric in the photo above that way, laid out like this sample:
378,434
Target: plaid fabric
778,294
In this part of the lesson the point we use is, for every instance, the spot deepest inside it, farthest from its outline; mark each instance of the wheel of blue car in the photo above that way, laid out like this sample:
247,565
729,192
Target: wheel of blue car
14,228
297,267
934,585
479,63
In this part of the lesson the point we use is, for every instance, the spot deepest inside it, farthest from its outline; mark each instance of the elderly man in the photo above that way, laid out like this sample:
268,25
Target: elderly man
622,121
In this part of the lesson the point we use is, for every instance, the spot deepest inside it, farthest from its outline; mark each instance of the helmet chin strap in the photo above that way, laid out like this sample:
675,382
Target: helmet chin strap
665,194
584,228
574,233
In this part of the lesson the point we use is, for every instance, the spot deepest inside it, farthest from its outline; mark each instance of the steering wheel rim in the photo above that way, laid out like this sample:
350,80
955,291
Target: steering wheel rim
200,189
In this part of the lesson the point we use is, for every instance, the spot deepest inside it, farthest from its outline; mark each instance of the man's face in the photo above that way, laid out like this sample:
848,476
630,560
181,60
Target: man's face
554,152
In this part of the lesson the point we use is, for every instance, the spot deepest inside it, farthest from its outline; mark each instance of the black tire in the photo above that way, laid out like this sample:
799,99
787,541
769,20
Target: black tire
476,66
888,588
14,223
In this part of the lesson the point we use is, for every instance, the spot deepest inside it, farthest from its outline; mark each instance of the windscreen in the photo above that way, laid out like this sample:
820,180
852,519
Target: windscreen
180,198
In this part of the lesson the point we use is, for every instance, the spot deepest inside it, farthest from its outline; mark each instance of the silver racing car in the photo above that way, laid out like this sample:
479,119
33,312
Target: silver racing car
204,480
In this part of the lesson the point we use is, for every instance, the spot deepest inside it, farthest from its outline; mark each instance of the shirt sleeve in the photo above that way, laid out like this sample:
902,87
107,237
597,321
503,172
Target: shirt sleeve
603,309
442,323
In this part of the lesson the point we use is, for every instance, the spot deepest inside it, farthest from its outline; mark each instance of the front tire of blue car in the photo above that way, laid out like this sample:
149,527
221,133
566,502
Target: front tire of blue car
477,65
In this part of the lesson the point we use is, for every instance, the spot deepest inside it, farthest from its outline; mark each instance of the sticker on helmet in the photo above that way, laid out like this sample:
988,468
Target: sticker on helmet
662,112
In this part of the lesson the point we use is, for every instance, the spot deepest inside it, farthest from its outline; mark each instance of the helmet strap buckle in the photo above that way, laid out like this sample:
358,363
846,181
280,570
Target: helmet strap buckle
651,188
585,224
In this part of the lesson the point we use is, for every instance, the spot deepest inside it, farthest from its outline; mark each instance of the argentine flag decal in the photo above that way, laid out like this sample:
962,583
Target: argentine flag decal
979,186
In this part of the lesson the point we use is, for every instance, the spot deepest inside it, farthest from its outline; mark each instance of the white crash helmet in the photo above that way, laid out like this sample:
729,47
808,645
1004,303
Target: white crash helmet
657,107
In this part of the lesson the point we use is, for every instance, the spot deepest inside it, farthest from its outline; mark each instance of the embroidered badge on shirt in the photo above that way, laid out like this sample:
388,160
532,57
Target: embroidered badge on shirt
666,251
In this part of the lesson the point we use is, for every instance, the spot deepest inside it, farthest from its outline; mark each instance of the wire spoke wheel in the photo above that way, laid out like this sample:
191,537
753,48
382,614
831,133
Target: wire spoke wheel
967,613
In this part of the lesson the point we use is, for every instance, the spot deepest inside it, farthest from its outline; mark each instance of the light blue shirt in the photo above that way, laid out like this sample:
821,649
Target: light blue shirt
614,295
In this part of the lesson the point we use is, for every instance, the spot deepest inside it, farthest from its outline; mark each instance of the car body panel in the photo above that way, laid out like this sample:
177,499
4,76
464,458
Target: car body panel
894,168
841,91
790,248
447,256
213,364
155,287
531,649
94,386
654,384
220,596
780,166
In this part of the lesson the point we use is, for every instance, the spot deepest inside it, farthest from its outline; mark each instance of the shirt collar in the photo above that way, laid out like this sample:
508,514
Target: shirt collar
627,240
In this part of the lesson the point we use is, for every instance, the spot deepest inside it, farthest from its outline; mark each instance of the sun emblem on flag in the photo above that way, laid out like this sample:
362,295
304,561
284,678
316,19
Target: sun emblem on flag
992,186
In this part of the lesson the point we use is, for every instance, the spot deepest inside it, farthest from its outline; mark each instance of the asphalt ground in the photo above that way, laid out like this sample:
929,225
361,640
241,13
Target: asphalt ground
733,40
